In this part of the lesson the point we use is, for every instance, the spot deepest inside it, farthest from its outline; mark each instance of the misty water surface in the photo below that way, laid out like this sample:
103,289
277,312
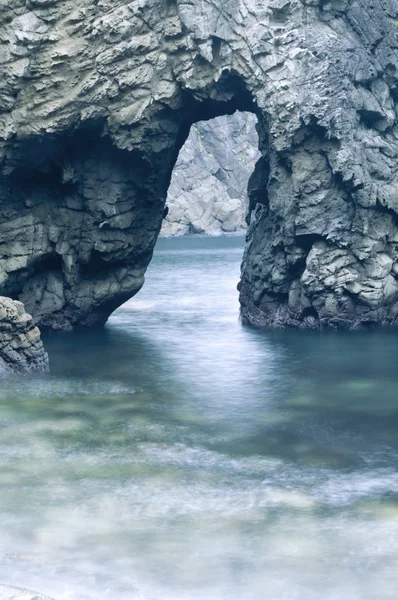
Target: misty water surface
177,455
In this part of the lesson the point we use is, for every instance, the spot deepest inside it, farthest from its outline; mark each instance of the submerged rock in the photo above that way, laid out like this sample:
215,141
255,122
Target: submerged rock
208,189
10,592
21,348
97,99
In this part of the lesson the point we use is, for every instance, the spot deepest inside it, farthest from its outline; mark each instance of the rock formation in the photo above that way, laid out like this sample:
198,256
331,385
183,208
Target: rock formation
97,99
21,349
208,188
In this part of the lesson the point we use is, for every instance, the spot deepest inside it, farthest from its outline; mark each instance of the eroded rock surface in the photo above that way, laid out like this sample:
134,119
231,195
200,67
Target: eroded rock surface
21,348
208,189
97,99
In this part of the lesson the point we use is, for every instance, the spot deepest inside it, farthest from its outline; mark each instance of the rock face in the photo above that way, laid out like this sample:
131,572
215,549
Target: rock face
97,99
208,189
21,349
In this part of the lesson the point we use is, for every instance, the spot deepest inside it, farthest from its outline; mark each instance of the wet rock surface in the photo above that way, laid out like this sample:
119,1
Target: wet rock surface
97,99
21,348
208,189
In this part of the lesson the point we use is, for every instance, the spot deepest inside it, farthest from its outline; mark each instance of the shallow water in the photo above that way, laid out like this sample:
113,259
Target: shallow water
180,456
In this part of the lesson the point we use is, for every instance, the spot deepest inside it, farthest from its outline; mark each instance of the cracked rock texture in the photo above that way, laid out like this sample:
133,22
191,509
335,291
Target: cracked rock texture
97,99
21,349
208,189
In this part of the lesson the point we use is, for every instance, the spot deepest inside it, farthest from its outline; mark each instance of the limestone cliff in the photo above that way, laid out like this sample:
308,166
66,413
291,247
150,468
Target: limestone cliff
208,189
21,349
97,99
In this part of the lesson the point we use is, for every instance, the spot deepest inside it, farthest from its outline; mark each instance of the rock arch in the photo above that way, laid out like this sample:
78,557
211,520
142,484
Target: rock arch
98,98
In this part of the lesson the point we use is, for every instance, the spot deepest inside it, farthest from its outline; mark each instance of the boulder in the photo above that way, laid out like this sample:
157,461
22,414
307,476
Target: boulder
21,348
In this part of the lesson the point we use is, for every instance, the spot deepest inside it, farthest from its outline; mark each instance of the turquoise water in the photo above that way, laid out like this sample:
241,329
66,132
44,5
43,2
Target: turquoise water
178,455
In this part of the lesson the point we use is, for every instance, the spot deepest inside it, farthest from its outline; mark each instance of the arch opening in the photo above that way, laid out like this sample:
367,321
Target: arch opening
208,189
95,205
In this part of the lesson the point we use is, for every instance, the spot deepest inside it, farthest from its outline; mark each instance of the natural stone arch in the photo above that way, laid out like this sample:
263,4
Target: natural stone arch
98,99
87,214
